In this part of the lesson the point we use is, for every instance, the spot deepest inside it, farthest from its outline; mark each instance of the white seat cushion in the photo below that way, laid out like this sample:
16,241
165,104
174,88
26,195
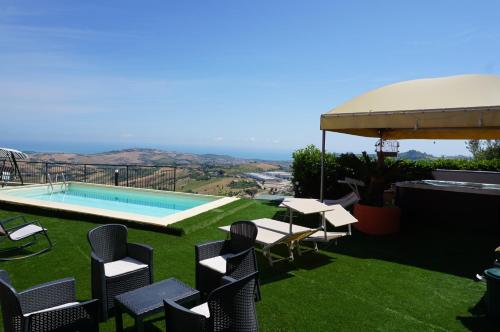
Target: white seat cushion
217,263
25,231
202,309
69,304
122,266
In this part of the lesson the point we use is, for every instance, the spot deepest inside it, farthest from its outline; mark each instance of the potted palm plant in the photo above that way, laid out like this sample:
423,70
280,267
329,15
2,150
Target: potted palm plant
375,215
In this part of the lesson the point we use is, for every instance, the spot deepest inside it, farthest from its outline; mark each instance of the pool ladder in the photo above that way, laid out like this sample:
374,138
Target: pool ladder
64,184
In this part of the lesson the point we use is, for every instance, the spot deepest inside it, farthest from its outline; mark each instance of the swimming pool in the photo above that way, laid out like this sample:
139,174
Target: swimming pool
141,205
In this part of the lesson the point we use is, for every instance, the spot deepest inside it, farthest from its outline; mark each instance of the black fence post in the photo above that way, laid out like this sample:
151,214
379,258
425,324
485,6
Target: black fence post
175,174
46,172
85,173
127,175
116,177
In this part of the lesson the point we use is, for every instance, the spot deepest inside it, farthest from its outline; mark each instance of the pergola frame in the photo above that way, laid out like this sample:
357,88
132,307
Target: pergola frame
457,107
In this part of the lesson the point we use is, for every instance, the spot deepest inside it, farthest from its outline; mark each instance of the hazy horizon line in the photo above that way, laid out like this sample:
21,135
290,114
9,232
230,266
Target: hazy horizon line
243,153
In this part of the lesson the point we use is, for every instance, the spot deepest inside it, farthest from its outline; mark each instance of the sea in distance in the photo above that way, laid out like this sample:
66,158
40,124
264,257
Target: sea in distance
90,148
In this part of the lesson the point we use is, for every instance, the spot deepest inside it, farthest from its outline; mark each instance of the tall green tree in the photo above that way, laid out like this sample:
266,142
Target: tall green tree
484,149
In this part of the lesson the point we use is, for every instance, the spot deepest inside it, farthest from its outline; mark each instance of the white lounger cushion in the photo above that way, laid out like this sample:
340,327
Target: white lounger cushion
345,201
305,205
122,266
267,236
25,231
339,216
319,236
217,263
278,226
65,305
202,309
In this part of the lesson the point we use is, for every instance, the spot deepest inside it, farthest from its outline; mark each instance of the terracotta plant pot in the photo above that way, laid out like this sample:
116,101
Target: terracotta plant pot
376,220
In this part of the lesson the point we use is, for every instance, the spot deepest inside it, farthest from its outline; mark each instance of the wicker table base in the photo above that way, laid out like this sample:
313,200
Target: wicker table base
148,300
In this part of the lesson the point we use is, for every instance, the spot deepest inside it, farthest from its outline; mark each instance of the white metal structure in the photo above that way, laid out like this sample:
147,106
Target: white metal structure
11,156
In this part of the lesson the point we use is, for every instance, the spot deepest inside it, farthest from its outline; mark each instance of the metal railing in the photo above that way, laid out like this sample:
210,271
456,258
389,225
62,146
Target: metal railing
137,176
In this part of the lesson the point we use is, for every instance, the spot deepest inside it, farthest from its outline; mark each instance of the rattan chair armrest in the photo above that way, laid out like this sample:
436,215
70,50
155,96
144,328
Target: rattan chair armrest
226,280
241,264
97,272
211,249
240,255
79,317
180,318
141,252
96,259
4,275
48,295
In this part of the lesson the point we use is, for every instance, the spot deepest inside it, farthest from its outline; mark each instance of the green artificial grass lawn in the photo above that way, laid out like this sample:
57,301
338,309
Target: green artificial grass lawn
419,280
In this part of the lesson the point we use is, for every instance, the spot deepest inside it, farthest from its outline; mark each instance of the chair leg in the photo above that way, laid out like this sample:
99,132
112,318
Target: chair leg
48,239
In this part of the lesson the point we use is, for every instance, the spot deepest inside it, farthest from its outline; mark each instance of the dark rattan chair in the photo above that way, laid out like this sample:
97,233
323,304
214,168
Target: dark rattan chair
234,257
18,230
47,307
230,307
117,266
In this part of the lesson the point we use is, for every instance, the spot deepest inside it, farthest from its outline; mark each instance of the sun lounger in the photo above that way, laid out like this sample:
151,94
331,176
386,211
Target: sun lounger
345,201
337,218
272,233
18,229
269,239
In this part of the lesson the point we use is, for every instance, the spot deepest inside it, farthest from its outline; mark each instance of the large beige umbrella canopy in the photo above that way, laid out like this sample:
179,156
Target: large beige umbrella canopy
456,107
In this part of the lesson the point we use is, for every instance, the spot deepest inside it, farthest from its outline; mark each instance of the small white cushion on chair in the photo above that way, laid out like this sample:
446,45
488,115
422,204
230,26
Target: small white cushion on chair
25,231
202,309
69,304
217,263
122,266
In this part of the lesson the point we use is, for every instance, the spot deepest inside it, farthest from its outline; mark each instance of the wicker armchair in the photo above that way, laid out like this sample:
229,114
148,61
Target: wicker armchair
47,307
117,266
230,307
234,257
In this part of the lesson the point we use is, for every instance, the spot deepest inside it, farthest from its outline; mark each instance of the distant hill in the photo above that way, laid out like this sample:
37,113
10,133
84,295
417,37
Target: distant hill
153,157
418,155
415,155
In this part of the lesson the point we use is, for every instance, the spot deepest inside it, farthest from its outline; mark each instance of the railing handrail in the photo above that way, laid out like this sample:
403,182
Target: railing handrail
160,177
93,164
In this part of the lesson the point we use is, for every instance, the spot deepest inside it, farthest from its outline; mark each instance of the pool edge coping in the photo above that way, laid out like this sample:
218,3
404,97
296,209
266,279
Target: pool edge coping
149,220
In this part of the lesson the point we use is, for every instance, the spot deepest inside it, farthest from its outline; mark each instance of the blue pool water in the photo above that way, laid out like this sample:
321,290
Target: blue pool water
154,203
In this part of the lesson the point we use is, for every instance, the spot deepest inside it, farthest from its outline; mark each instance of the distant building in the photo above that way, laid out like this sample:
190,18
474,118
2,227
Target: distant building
261,177
280,175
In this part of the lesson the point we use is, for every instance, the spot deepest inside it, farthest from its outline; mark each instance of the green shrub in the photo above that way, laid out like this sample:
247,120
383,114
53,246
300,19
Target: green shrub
306,167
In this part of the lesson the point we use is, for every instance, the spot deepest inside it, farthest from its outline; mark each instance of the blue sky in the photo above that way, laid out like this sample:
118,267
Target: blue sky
222,76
